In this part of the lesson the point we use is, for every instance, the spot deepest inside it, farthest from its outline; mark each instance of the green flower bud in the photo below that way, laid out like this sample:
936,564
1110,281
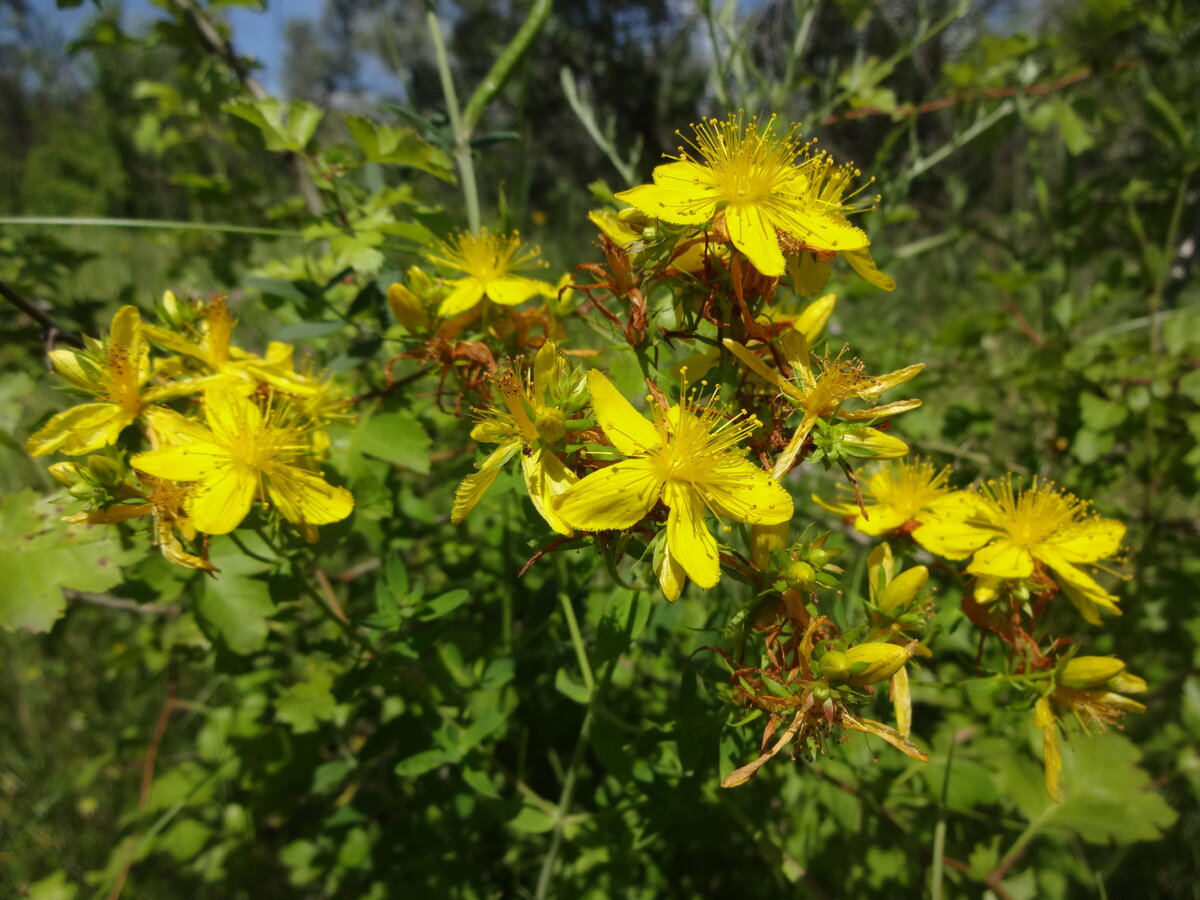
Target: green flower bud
1090,671
903,590
551,425
800,575
875,662
835,666
66,473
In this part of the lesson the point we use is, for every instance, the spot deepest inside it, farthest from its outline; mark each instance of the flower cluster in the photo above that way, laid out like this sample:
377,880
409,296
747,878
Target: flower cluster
221,428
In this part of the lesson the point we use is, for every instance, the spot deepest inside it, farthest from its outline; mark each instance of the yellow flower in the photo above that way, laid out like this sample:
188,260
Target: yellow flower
748,178
245,452
490,263
687,458
1086,689
526,423
893,496
115,370
822,389
1005,532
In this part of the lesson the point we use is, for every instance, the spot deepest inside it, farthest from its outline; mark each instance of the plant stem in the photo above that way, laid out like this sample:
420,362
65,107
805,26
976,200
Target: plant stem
163,224
462,134
939,831
585,666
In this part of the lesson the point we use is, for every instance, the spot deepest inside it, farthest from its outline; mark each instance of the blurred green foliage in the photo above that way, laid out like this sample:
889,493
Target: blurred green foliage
181,736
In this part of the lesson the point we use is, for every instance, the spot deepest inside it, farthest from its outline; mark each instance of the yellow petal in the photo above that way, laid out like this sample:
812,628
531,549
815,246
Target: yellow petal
231,415
1081,589
880,519
752,362
808,274
1043,717
814,317
865,266
688,538
612,227
124,328
1003,559
682,194
513,289
618,496
752,232
217,504
168,428
951,539
630,431
546,477
69,365
902,702
466,294
739,490
173,550
1091,540
820,231
80,429
472,488
302,496
181,462
892,379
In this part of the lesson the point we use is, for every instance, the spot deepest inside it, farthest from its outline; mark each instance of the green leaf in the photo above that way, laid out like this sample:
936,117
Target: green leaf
285,126
396,437
41,555
308,330
52,887
624,617
234,603
1107,797
305,705
399,146
442,604
531,820
420,763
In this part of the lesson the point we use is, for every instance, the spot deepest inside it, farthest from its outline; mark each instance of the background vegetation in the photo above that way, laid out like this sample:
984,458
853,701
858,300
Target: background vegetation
173,736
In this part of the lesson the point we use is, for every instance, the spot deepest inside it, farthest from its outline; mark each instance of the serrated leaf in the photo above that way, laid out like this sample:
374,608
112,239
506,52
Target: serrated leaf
305,705
284,126
41,555
1106,796
399,146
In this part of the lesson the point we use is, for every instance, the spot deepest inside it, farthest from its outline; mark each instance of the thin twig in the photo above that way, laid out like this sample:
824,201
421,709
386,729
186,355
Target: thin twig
909,110
160,730
145,609
222,49
53,331
391,386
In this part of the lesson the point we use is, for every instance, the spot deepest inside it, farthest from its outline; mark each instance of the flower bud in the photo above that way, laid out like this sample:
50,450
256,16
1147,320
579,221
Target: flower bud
871,443
1090,671
408,309
764,539
812,321
834,666
106,471
900,593
1127,683
551,424
874,662
800,575
66,473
